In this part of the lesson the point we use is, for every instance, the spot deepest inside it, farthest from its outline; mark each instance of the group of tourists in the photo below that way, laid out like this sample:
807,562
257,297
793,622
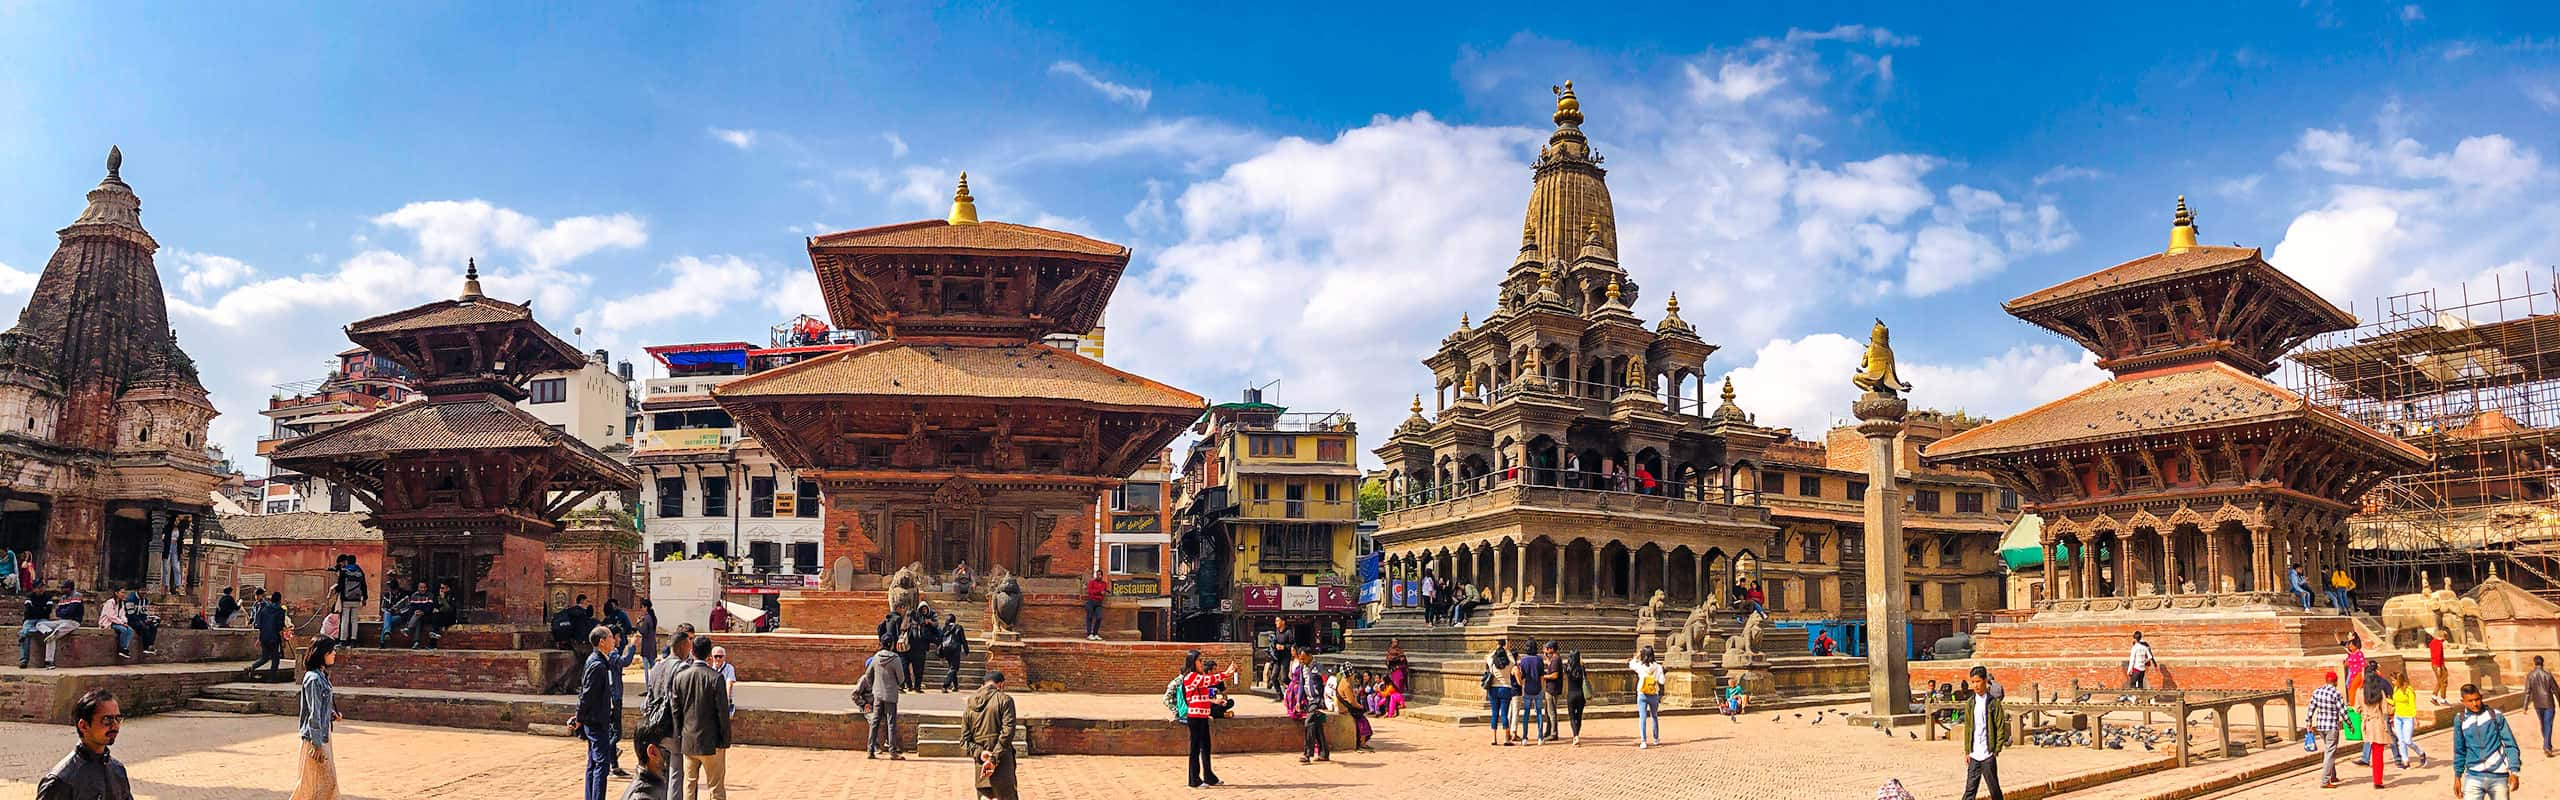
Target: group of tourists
50,614
914,635
18,572
1455,603
2337,586
1538,696
2486,758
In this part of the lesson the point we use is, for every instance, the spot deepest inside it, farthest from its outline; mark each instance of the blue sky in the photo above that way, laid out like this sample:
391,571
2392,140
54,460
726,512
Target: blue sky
1313,196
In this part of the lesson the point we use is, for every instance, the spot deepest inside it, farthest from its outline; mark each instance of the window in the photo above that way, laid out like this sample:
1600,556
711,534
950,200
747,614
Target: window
767,555
1137,496
1951,596
1951,555
1332,492
1915,601
2008,500
760,496
1279,446
339,499
1968,502
1261,490
1911,554
1857,490
1297,548
1136,559
804,558
1809,486
715,496
549,390
1812,548
807,508
1776,590
1773,483
1813,598
1332,450
670,497
717,548
1925,500
1296,507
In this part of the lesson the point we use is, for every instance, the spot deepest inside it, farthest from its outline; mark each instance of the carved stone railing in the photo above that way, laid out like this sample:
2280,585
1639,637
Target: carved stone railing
2220,601
1563,499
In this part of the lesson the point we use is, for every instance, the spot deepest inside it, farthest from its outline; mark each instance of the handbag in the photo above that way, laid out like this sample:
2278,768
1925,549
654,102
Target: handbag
2310,742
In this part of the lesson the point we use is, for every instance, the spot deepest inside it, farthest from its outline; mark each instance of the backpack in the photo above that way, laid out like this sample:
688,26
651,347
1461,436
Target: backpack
1651,685
1173,700
658,716
951,642
862,697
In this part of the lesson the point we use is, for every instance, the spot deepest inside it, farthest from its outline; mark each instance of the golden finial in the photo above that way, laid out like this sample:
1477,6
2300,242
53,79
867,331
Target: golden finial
471,279
1674,306
1417,404
1728,388
2182,228
1613,291
1635,373
1568,108
1591,230
1547,278
1463,322
1468,389
964,209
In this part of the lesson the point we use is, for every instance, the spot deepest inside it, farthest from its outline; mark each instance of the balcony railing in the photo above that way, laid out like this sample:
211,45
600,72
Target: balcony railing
1570,489
1331,422
686,387
1300,509
1599,394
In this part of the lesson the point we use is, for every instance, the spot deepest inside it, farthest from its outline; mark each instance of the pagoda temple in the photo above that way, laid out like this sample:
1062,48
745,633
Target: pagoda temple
102,417
466,487
2176,495
958,437
1567,469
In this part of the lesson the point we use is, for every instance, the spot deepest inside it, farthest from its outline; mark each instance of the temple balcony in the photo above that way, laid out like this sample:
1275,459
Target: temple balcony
1550,490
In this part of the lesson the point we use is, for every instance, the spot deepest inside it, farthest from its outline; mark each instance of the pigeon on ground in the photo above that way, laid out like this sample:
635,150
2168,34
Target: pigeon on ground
1914,736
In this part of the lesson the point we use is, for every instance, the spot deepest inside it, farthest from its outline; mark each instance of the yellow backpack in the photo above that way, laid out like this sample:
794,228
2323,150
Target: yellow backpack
1650,685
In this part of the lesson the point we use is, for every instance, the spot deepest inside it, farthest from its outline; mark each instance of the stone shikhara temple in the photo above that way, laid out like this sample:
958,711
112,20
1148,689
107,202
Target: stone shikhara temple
1574,474
102,416
2176,495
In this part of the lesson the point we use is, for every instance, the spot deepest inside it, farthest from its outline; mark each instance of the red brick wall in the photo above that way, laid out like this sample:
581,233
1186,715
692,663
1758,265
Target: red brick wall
94,646
590,567
503,671
300,569
1076,665
47,697
845,536
797,658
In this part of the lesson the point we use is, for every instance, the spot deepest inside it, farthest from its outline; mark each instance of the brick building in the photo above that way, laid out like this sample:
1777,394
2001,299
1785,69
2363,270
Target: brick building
102,416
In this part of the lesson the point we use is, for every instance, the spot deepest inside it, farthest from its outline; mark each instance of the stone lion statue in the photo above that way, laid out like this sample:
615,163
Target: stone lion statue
905,586
1649,615
1746,640
1693,631
1006,603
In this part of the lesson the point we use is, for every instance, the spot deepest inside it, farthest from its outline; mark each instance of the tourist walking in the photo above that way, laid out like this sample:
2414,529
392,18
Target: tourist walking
2375,705
658,681
882,677
2541,692
2137,664
986,734
1306,699
1094,591
1551,681
954,647
319,712
1280,647
350,593
922,634
2355,666
270,621
1986,732
2486,760
1649,684
2435,658
2404,722
702,724
90,772
596,719
1577,691
2328,710
1533,694
224,607
1200,684
1501,681
647,630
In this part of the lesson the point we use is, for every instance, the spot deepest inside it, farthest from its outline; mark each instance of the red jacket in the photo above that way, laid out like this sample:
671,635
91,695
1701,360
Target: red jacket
1095,589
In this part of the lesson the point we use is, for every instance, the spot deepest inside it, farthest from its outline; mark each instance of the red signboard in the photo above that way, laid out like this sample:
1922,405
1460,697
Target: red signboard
1297,599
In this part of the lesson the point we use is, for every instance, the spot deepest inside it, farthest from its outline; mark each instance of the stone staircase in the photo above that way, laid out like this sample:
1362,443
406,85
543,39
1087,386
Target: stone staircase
936,738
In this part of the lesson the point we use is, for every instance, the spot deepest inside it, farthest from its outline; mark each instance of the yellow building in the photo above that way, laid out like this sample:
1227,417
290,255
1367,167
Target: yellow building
1269,525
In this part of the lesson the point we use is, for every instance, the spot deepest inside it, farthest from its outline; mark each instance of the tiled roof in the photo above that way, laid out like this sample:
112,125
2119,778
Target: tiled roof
478,424
442,313
1027,371
2206,395
300,525
2168,266
938,234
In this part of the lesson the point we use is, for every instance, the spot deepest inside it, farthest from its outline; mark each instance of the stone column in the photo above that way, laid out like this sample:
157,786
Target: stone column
2213,563
1880,417
1555,567
1597,550
1631,577
1520,572
2052,587
2169,561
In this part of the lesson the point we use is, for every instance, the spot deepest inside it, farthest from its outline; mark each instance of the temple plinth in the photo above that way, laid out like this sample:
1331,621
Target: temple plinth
958,437
466,487
2176,495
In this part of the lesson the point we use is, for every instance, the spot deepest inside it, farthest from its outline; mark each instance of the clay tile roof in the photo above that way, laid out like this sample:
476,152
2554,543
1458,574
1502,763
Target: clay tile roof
999,236
1026,371
2170,266
2208,395
442,313
300,525
479,424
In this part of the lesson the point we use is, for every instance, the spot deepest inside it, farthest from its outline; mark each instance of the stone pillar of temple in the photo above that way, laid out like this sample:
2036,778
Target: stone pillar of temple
1880,413
2052,587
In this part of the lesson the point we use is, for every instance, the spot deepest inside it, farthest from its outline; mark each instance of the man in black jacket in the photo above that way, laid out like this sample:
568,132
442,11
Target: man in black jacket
702,724
921,637
89,772
598,697
268,618
351,593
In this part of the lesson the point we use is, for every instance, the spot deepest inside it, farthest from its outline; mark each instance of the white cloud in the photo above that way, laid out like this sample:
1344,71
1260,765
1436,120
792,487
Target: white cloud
202,272
738,138
897,144
453,230
695,288
2337,248
2412,13
2394,215
1862,34
795,292
2243,187
16,281
1118,93
2491,163
1199,144
1737,80
2544,96
2066,172
2460,50
1803,383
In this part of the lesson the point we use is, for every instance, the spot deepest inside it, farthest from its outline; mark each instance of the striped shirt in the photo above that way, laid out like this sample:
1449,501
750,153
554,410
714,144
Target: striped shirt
2484,745
2327,706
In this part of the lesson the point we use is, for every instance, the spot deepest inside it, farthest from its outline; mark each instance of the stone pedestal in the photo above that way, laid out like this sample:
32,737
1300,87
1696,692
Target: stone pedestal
1004,654
1888,678
594,556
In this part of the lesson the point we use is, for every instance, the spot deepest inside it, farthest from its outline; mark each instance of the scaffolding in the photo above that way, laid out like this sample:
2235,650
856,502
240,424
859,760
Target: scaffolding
2475,381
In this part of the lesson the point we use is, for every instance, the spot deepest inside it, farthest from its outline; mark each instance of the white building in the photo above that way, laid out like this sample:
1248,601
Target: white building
711,488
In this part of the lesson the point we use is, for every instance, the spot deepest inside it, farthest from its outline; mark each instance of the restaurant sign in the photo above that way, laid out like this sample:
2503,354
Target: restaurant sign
1137,523
1296,599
